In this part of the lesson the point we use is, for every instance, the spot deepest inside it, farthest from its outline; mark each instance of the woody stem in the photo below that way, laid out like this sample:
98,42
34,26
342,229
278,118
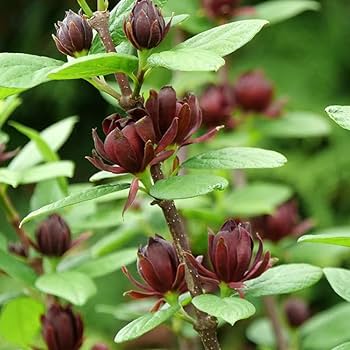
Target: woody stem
206,325
100,22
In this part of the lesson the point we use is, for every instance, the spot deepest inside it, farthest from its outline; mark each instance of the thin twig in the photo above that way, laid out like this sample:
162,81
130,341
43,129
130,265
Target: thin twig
206,326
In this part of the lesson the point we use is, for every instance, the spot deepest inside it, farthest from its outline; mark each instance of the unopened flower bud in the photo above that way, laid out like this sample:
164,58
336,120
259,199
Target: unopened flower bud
53,236
4,156
217,103
73,35
145,28
62,329
100,347
253,92
17,249
220,8
297,311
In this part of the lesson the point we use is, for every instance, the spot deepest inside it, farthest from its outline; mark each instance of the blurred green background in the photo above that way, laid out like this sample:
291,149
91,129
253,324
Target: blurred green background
308,59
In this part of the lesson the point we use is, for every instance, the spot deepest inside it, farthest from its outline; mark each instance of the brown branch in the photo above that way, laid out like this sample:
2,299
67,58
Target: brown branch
100,22
206,325
272,313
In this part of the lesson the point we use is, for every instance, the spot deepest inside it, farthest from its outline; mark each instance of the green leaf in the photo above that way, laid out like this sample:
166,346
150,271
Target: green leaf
345,346
257,199
230,309
55,136
107,264
75,198
277,11
224,39
283,279
46,172
260,332
187,60
295,124
16,269
236,158
327,329
47,191
19,72
103,175
20,321
4,138
8,177
187,186
336,236
341,115
7,107
95,65
203,52
73,286
145,324
339,279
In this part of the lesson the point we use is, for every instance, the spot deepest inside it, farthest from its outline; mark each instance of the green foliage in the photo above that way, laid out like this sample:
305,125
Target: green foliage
229,309
72,286
75,198
7,107
283,279
20,321
340,114
345,346
340,237
145,324
19,72
236,158
339,279
95,65
187,186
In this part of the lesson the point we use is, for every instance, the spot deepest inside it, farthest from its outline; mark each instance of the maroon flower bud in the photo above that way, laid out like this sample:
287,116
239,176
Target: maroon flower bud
220,8
174,121
128,147
61,328
4,156
100,347
284,222
53,236
17,249
232,257
73,35
145,27
253,92
297,311
160,269
217,104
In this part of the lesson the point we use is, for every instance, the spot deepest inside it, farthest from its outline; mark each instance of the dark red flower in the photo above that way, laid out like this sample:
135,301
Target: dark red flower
4,156
220,8
174,121
73,35
232,257
128,147
253,92
283,222
297,311
160,269
53,236
145,27
61,328
217,104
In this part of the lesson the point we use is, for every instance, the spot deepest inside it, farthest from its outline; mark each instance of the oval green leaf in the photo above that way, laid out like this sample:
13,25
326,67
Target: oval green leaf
339,279
95,65
75,198
296,124
345,346
336,238
341,115
73,286
236,158
107,264
145,324
19,72
16,269
278,11
20,321
187,186
283,279
230,309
